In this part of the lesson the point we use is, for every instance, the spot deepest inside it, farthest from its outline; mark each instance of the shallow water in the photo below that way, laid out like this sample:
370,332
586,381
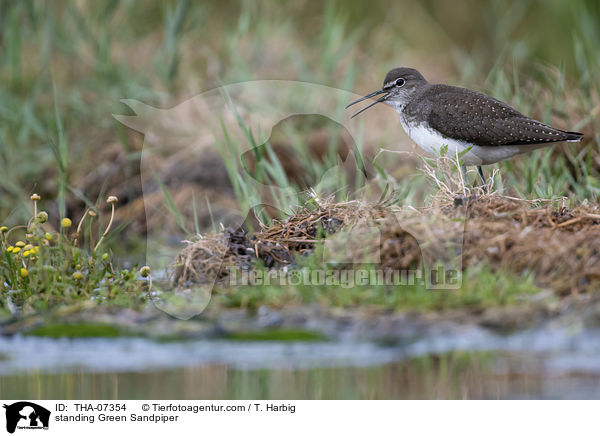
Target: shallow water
549,363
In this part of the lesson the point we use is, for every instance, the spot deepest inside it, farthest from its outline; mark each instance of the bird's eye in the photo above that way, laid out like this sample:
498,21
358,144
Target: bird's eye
400,82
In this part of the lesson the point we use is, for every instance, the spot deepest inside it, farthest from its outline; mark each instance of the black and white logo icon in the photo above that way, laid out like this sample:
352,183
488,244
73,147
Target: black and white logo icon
26,415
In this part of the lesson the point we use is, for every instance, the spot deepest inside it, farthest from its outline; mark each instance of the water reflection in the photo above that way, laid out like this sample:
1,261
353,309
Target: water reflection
455,375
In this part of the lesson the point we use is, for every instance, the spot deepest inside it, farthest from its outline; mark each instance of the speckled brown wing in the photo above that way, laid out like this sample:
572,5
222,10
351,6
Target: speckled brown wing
476,118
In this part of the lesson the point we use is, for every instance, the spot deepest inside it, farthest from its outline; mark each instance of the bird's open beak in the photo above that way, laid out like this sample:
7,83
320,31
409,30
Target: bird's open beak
373,94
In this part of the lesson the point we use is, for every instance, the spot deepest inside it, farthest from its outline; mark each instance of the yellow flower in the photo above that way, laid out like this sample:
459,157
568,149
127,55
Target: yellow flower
48,236
66,223
36,249
26,253
77,275
28,247
10,249
145,271
3,229
16,250
105,256
24,272
20,244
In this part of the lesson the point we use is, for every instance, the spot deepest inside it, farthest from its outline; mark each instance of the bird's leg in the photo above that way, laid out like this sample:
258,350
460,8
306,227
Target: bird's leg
483,182
480,170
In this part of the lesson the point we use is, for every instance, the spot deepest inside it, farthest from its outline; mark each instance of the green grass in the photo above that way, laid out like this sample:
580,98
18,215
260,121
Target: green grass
481,288
65,66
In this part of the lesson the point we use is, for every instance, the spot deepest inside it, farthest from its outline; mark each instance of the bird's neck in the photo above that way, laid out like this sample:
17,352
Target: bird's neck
397,105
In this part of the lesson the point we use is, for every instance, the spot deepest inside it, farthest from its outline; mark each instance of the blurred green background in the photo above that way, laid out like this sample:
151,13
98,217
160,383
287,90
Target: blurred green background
64,66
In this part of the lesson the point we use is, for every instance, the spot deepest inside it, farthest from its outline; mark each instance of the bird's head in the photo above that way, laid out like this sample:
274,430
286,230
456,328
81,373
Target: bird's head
399,85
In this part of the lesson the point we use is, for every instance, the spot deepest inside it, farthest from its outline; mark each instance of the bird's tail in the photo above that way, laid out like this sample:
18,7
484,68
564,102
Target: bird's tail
573,136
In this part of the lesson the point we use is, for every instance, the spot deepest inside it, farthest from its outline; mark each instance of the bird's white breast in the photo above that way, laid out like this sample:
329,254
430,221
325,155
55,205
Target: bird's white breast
431,141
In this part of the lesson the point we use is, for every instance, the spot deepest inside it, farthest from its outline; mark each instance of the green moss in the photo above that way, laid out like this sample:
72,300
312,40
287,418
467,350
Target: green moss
71,330
276,335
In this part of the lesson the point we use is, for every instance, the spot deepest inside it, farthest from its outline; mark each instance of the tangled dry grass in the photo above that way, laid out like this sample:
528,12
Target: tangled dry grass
276,245
560,246
466,225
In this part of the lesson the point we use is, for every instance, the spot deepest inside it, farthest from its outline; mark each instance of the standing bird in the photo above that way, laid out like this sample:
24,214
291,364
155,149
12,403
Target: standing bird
436,115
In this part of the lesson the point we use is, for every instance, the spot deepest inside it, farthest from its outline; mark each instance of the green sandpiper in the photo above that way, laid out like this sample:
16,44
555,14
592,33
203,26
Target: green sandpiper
485,129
